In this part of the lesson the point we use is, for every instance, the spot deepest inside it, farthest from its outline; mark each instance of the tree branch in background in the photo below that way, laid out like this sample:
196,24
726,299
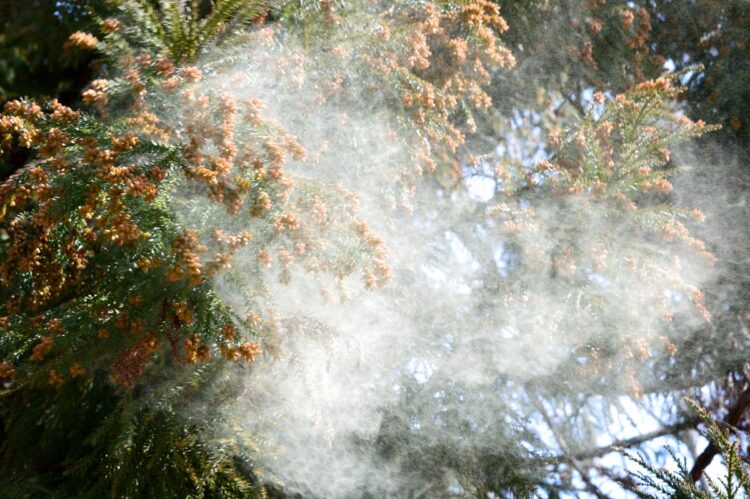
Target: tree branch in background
630,442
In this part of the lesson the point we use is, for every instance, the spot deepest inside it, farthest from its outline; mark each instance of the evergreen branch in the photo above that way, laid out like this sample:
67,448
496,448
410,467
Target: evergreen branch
732,419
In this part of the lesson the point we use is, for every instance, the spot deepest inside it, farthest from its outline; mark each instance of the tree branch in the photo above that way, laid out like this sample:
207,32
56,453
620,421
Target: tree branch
562,442
576,105
627,442
732,419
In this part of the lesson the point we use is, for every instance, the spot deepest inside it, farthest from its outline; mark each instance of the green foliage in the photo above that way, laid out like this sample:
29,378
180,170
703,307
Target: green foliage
180,30
655,482
149,442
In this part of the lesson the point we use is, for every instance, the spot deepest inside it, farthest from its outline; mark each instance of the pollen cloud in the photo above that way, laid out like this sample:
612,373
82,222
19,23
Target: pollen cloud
467,304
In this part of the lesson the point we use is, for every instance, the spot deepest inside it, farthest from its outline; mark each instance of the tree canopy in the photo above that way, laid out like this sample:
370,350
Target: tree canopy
356,248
